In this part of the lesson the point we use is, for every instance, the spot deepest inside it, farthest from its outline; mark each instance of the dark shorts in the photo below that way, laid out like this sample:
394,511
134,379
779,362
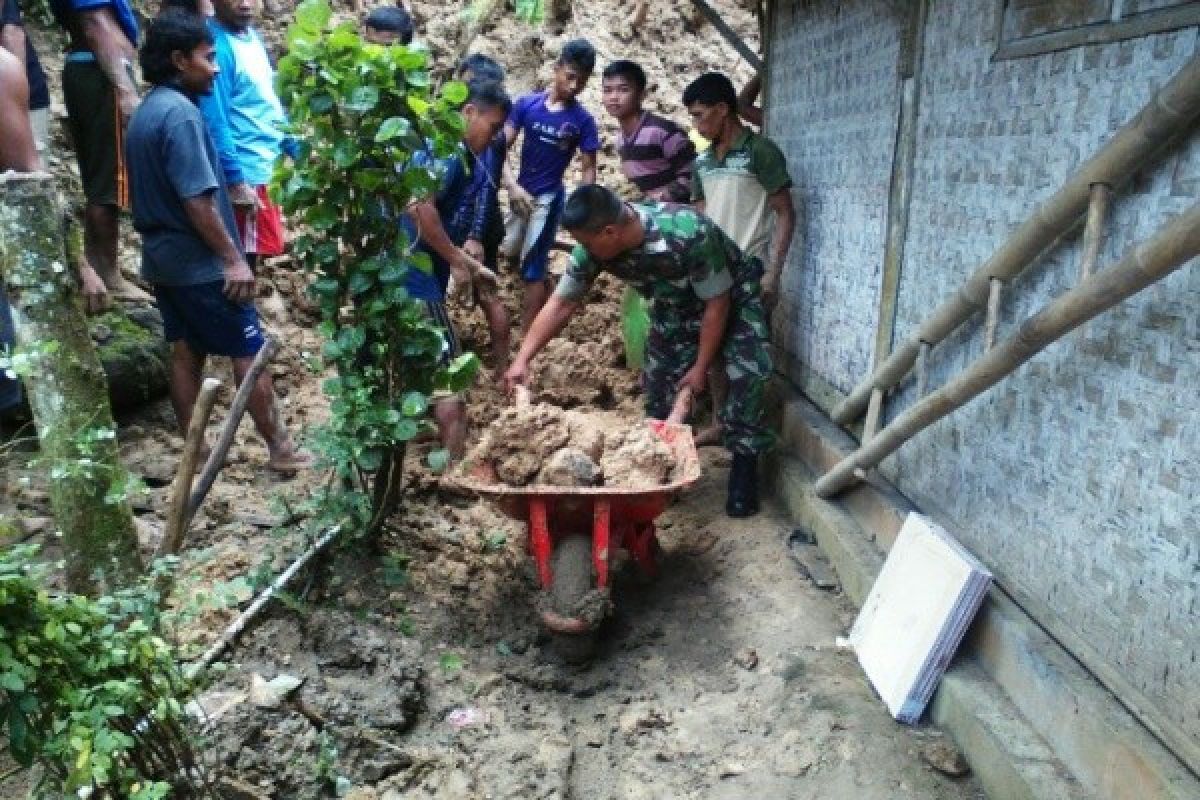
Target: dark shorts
493,237
203,316
93,120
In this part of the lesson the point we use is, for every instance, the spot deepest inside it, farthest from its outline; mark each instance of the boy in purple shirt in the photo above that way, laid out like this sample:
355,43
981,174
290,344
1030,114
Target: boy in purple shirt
554,125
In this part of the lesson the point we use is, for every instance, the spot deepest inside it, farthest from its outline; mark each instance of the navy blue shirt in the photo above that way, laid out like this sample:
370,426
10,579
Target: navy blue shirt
171,158
455,174
551,139
39,92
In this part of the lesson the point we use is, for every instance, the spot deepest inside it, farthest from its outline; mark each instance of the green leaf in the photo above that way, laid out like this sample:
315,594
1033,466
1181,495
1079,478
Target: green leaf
414,404
360,282
363,99
455,92
321,103
438,459
313,15
418,104
450,663
461,372
418,78
321,217
391,128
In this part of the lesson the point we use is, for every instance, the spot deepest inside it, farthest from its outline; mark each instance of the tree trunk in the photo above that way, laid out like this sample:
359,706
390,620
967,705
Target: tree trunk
66,388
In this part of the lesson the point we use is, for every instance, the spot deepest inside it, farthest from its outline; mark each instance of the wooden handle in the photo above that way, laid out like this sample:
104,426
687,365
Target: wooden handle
682,407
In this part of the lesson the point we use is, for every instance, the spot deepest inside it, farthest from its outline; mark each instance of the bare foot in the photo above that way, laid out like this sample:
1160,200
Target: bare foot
710,436
123,290
290,460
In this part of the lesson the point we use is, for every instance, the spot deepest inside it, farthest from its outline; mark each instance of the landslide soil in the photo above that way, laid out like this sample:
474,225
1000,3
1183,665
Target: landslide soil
424,670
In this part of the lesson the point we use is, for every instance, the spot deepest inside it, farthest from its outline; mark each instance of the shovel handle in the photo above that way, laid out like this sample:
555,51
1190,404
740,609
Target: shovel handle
683,405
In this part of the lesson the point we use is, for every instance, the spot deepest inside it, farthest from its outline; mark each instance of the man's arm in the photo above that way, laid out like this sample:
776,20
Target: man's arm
712,332
114,55
680,153
17,151
519,200
747,109
781,241
215,108
206,220
463,268
587,167
545,326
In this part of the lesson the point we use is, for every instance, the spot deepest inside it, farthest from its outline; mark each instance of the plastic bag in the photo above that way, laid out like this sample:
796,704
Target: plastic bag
635,327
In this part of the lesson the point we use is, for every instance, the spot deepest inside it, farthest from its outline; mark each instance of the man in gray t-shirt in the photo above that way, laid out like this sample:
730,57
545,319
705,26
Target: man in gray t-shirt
190,251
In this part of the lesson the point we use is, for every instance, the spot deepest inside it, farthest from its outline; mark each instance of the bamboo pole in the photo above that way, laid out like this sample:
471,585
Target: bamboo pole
1170,112
216,459
993,314
729,34
177,517
238,625
1099,197
874,412
1165,252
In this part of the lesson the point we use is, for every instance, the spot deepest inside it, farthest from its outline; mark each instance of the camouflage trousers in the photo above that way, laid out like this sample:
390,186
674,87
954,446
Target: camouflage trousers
674,342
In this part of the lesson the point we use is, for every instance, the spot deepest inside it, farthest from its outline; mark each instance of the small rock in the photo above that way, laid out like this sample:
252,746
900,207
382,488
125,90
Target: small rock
731,770
211,706
746,659
270,694
362,793
945,758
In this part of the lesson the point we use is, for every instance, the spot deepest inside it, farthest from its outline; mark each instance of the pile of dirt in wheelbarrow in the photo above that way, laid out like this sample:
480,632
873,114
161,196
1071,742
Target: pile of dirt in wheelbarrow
542,444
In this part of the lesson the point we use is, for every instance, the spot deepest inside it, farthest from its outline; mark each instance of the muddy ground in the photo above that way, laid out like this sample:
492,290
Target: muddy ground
424,672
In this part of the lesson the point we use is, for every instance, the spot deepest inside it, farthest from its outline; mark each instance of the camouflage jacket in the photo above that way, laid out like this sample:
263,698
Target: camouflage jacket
685,259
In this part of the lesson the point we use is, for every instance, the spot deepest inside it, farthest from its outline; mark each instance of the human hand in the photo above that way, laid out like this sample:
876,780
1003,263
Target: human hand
694,379
243,196
521,201
239,282
95,293
516,375
474,249
127,103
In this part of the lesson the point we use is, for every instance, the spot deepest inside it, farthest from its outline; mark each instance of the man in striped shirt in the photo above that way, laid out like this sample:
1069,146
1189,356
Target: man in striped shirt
656,154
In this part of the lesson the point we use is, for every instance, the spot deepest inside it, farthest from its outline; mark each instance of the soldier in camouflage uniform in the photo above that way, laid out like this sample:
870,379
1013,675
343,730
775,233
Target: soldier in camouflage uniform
705,301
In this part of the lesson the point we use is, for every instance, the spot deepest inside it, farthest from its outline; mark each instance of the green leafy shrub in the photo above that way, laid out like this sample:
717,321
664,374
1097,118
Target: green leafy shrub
360,112
89,690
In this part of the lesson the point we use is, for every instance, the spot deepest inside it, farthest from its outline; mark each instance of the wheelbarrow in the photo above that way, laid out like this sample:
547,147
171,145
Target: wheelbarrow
573,533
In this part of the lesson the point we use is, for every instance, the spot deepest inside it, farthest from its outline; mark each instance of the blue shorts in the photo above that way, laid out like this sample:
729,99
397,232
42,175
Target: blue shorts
532,238
203,316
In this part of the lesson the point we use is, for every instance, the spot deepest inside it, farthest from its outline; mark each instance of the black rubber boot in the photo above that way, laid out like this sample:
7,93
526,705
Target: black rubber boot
743,486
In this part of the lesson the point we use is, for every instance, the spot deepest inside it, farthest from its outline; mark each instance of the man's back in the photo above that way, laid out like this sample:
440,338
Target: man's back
171,159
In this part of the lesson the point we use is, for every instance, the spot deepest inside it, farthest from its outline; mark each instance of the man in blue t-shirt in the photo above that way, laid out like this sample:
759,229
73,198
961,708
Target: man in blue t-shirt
190,251
554,126
441,226
247,122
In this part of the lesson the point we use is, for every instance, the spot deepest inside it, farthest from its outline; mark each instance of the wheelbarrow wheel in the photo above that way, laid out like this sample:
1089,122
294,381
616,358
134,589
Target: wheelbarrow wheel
571,566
